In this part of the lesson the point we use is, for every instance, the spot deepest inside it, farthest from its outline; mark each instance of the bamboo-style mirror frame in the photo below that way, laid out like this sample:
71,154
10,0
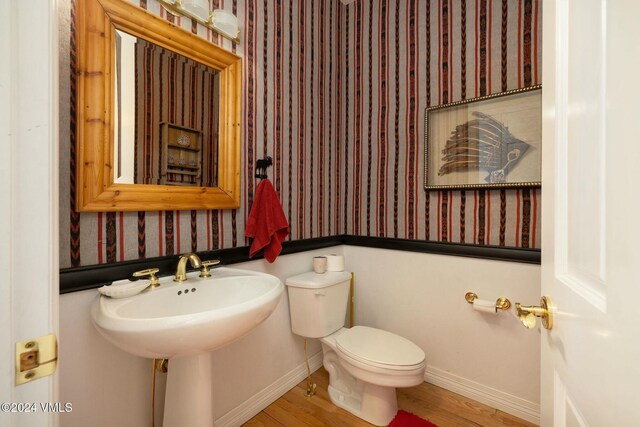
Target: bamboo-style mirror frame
97,21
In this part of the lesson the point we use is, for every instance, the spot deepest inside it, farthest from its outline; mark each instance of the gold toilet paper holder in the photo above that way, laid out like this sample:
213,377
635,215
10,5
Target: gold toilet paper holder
502,303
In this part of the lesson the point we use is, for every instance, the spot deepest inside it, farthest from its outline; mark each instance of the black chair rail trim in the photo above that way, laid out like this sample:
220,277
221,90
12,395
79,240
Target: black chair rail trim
94,276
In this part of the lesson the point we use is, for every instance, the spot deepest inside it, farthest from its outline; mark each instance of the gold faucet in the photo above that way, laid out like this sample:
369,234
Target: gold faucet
181,272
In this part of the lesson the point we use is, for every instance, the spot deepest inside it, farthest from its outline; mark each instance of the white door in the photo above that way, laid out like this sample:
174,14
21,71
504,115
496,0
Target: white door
591,206
28,200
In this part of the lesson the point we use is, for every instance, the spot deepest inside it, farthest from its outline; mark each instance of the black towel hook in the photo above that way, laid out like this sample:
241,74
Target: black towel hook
261,167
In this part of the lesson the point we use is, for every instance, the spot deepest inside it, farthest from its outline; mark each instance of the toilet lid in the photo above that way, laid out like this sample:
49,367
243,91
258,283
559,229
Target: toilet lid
377,347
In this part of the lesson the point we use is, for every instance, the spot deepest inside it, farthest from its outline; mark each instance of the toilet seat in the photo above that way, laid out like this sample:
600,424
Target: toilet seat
380,349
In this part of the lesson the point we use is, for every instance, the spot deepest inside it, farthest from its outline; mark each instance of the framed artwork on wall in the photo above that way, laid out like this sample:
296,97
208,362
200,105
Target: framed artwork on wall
488,142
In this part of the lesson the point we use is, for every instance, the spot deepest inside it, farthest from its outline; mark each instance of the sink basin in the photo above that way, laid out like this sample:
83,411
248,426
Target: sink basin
196,316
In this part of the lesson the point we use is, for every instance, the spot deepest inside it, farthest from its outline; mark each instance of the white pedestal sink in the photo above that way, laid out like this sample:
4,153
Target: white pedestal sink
183,322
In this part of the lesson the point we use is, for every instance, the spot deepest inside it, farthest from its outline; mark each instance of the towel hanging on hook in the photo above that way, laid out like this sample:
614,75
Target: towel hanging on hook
261,167
267,223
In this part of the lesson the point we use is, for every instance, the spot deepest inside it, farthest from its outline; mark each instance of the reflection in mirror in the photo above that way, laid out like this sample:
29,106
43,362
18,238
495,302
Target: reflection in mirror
166,116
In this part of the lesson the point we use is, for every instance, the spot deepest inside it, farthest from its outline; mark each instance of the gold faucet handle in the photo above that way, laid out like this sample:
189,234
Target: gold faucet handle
151,272
205,267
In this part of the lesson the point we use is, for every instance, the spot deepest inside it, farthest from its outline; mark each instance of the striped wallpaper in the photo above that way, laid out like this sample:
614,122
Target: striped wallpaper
399,57
336,95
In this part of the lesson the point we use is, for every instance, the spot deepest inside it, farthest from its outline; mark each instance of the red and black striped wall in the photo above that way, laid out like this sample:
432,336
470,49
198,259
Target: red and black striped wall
402,57
336,95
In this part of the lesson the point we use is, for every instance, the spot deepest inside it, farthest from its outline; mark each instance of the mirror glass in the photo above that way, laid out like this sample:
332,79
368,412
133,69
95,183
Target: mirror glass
166,115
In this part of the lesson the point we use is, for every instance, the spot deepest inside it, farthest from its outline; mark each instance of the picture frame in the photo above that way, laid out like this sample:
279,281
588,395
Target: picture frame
493,141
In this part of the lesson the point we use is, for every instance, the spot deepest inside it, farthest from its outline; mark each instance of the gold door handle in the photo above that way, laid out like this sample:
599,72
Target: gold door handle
528,313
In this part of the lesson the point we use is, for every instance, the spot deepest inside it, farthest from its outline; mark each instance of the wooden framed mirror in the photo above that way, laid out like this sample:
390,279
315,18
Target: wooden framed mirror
178,180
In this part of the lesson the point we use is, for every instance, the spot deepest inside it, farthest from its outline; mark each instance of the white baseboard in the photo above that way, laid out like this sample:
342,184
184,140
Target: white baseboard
265,397
505,402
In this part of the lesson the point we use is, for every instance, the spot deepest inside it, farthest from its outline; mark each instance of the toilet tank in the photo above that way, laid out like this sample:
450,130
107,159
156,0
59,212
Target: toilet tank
318,302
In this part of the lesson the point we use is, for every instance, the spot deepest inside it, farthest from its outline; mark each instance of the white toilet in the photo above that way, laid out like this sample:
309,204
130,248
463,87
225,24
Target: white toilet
365,364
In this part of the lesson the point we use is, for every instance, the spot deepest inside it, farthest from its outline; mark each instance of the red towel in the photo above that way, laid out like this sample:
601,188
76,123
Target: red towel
267,224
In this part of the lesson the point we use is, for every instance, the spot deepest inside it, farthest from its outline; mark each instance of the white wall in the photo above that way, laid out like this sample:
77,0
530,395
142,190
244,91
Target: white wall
491,358
419,296
109,387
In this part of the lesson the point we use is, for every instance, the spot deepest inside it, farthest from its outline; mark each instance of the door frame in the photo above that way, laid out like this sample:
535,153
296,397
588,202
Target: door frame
29,251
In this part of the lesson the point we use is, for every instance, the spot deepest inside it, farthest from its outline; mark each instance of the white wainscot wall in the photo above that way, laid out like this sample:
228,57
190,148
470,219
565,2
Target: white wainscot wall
490,358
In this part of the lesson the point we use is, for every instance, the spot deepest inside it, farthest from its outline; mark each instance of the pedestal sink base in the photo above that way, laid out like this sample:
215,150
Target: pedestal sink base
189,397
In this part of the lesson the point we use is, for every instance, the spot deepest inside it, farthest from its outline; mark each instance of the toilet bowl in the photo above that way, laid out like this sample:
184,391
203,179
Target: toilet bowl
365,364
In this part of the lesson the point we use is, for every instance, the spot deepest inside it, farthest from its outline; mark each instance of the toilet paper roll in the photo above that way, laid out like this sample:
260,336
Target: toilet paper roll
335,262
320,264
485,306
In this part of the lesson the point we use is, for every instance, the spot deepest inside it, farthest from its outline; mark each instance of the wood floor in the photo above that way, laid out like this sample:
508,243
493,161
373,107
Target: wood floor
430,402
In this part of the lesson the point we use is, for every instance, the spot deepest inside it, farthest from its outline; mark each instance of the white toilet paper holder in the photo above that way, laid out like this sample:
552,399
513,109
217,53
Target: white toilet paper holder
502,303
